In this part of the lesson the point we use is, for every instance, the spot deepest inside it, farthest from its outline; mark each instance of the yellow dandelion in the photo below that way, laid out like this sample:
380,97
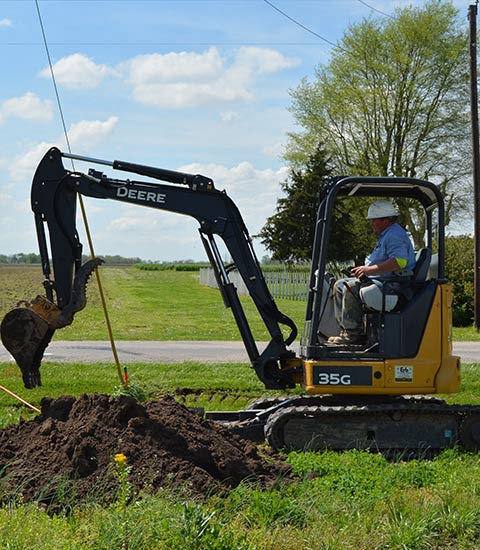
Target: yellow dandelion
120,458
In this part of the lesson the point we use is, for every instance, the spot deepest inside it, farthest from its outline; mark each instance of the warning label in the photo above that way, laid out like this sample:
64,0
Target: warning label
404,373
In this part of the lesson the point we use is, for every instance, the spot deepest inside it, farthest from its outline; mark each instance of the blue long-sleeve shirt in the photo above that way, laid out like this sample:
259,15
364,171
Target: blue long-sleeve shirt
393,242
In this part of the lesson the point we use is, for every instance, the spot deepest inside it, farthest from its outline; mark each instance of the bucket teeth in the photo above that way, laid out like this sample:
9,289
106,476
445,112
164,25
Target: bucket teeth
78,298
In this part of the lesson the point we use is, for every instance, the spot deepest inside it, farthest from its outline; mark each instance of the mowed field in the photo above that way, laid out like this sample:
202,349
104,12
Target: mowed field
153,305
144,305
335,501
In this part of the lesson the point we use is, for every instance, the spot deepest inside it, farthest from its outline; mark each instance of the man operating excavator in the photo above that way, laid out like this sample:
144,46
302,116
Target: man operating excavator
393,255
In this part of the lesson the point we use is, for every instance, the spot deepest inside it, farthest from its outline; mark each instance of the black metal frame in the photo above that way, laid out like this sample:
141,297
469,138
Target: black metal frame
54,197
423,191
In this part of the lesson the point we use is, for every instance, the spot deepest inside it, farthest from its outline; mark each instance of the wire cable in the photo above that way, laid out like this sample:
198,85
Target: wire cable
57,95
122,377
170,44
299,24
375,9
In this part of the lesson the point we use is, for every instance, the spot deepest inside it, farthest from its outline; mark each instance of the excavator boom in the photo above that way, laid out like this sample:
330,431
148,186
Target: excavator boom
27,330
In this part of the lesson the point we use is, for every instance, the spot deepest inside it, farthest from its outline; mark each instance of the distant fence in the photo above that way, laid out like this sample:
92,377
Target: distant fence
291,284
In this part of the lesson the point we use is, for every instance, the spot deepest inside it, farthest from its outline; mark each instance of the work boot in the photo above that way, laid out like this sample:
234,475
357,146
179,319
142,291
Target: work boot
345,338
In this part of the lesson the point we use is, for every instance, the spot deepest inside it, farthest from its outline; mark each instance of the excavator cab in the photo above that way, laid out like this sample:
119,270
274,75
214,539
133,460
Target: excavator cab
374,394
407,343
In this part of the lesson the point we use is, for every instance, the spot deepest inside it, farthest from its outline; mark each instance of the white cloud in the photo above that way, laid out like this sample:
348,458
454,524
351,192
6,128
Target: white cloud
28,106
78,71
274,150
81,136
136,219
23,166
229,116
175,67
263,60
85,133
189,79
5,22
178,79
254,191
161,234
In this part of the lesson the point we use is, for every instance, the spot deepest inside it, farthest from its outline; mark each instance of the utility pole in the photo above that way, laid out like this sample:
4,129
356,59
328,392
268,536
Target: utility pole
472,17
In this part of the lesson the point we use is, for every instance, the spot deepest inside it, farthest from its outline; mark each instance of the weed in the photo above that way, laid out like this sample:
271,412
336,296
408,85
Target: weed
407,531
122,473
131,390
275,507
201,531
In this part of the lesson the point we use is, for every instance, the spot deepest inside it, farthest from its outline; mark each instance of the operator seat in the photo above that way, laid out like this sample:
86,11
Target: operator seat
379,297
422,265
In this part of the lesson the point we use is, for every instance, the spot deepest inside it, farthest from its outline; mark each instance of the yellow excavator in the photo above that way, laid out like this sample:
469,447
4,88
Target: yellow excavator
378,394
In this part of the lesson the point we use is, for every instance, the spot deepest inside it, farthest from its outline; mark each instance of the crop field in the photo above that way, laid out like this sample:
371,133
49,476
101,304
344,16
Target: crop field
332,501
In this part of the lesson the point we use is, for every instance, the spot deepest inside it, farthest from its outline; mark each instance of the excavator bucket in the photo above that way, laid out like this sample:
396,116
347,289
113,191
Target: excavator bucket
27,329
25,334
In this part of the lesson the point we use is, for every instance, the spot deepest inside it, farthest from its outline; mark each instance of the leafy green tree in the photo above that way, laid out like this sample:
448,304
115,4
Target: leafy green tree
459,269
289,233
393,100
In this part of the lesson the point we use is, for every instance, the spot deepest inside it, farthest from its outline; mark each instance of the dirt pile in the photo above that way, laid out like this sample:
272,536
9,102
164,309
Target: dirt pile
72,444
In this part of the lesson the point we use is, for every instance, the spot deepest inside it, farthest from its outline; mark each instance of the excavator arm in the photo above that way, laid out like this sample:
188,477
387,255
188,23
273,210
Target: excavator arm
27,330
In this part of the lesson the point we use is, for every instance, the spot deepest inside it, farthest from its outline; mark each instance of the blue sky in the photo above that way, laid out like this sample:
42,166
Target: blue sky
199,86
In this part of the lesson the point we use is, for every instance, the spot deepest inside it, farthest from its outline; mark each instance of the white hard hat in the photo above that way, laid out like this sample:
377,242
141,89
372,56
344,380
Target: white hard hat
381,209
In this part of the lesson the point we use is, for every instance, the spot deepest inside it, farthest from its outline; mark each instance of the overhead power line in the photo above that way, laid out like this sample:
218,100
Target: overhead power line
209,43
123,378
375,9
299,24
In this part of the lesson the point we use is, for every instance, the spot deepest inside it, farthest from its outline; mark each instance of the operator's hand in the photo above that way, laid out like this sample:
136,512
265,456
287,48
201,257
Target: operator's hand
363,271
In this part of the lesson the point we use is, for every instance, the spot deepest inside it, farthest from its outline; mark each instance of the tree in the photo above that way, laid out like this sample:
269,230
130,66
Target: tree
393,100
459,269
289,233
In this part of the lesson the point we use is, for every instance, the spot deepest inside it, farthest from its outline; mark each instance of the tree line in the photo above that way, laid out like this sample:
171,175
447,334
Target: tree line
32,258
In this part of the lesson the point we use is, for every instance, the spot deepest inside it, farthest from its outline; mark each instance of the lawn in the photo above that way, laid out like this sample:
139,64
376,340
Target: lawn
145,305
352,500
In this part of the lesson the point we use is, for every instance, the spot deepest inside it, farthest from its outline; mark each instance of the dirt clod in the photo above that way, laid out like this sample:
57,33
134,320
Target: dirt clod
72,443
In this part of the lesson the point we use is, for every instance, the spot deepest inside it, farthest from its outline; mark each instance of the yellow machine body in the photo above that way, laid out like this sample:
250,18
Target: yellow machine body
433,370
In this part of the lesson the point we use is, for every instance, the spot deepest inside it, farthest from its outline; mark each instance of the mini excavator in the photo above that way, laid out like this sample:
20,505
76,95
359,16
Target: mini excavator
378,394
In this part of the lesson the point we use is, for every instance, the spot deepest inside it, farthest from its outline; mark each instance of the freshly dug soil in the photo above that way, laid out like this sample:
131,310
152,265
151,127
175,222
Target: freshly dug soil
70,448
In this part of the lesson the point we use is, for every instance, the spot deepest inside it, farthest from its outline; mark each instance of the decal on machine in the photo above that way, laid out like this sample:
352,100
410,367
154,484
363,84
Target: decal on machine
326,375
141,195
403,373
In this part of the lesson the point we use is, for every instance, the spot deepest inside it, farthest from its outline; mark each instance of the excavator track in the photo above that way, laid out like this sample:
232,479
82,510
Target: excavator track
405,427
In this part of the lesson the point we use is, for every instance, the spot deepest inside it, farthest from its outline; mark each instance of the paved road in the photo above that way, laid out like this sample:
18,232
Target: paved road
176,352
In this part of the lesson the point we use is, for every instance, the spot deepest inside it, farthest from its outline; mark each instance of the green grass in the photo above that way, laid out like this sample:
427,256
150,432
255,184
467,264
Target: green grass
465,334
154,305
354,499
146,305
228,386
339,501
